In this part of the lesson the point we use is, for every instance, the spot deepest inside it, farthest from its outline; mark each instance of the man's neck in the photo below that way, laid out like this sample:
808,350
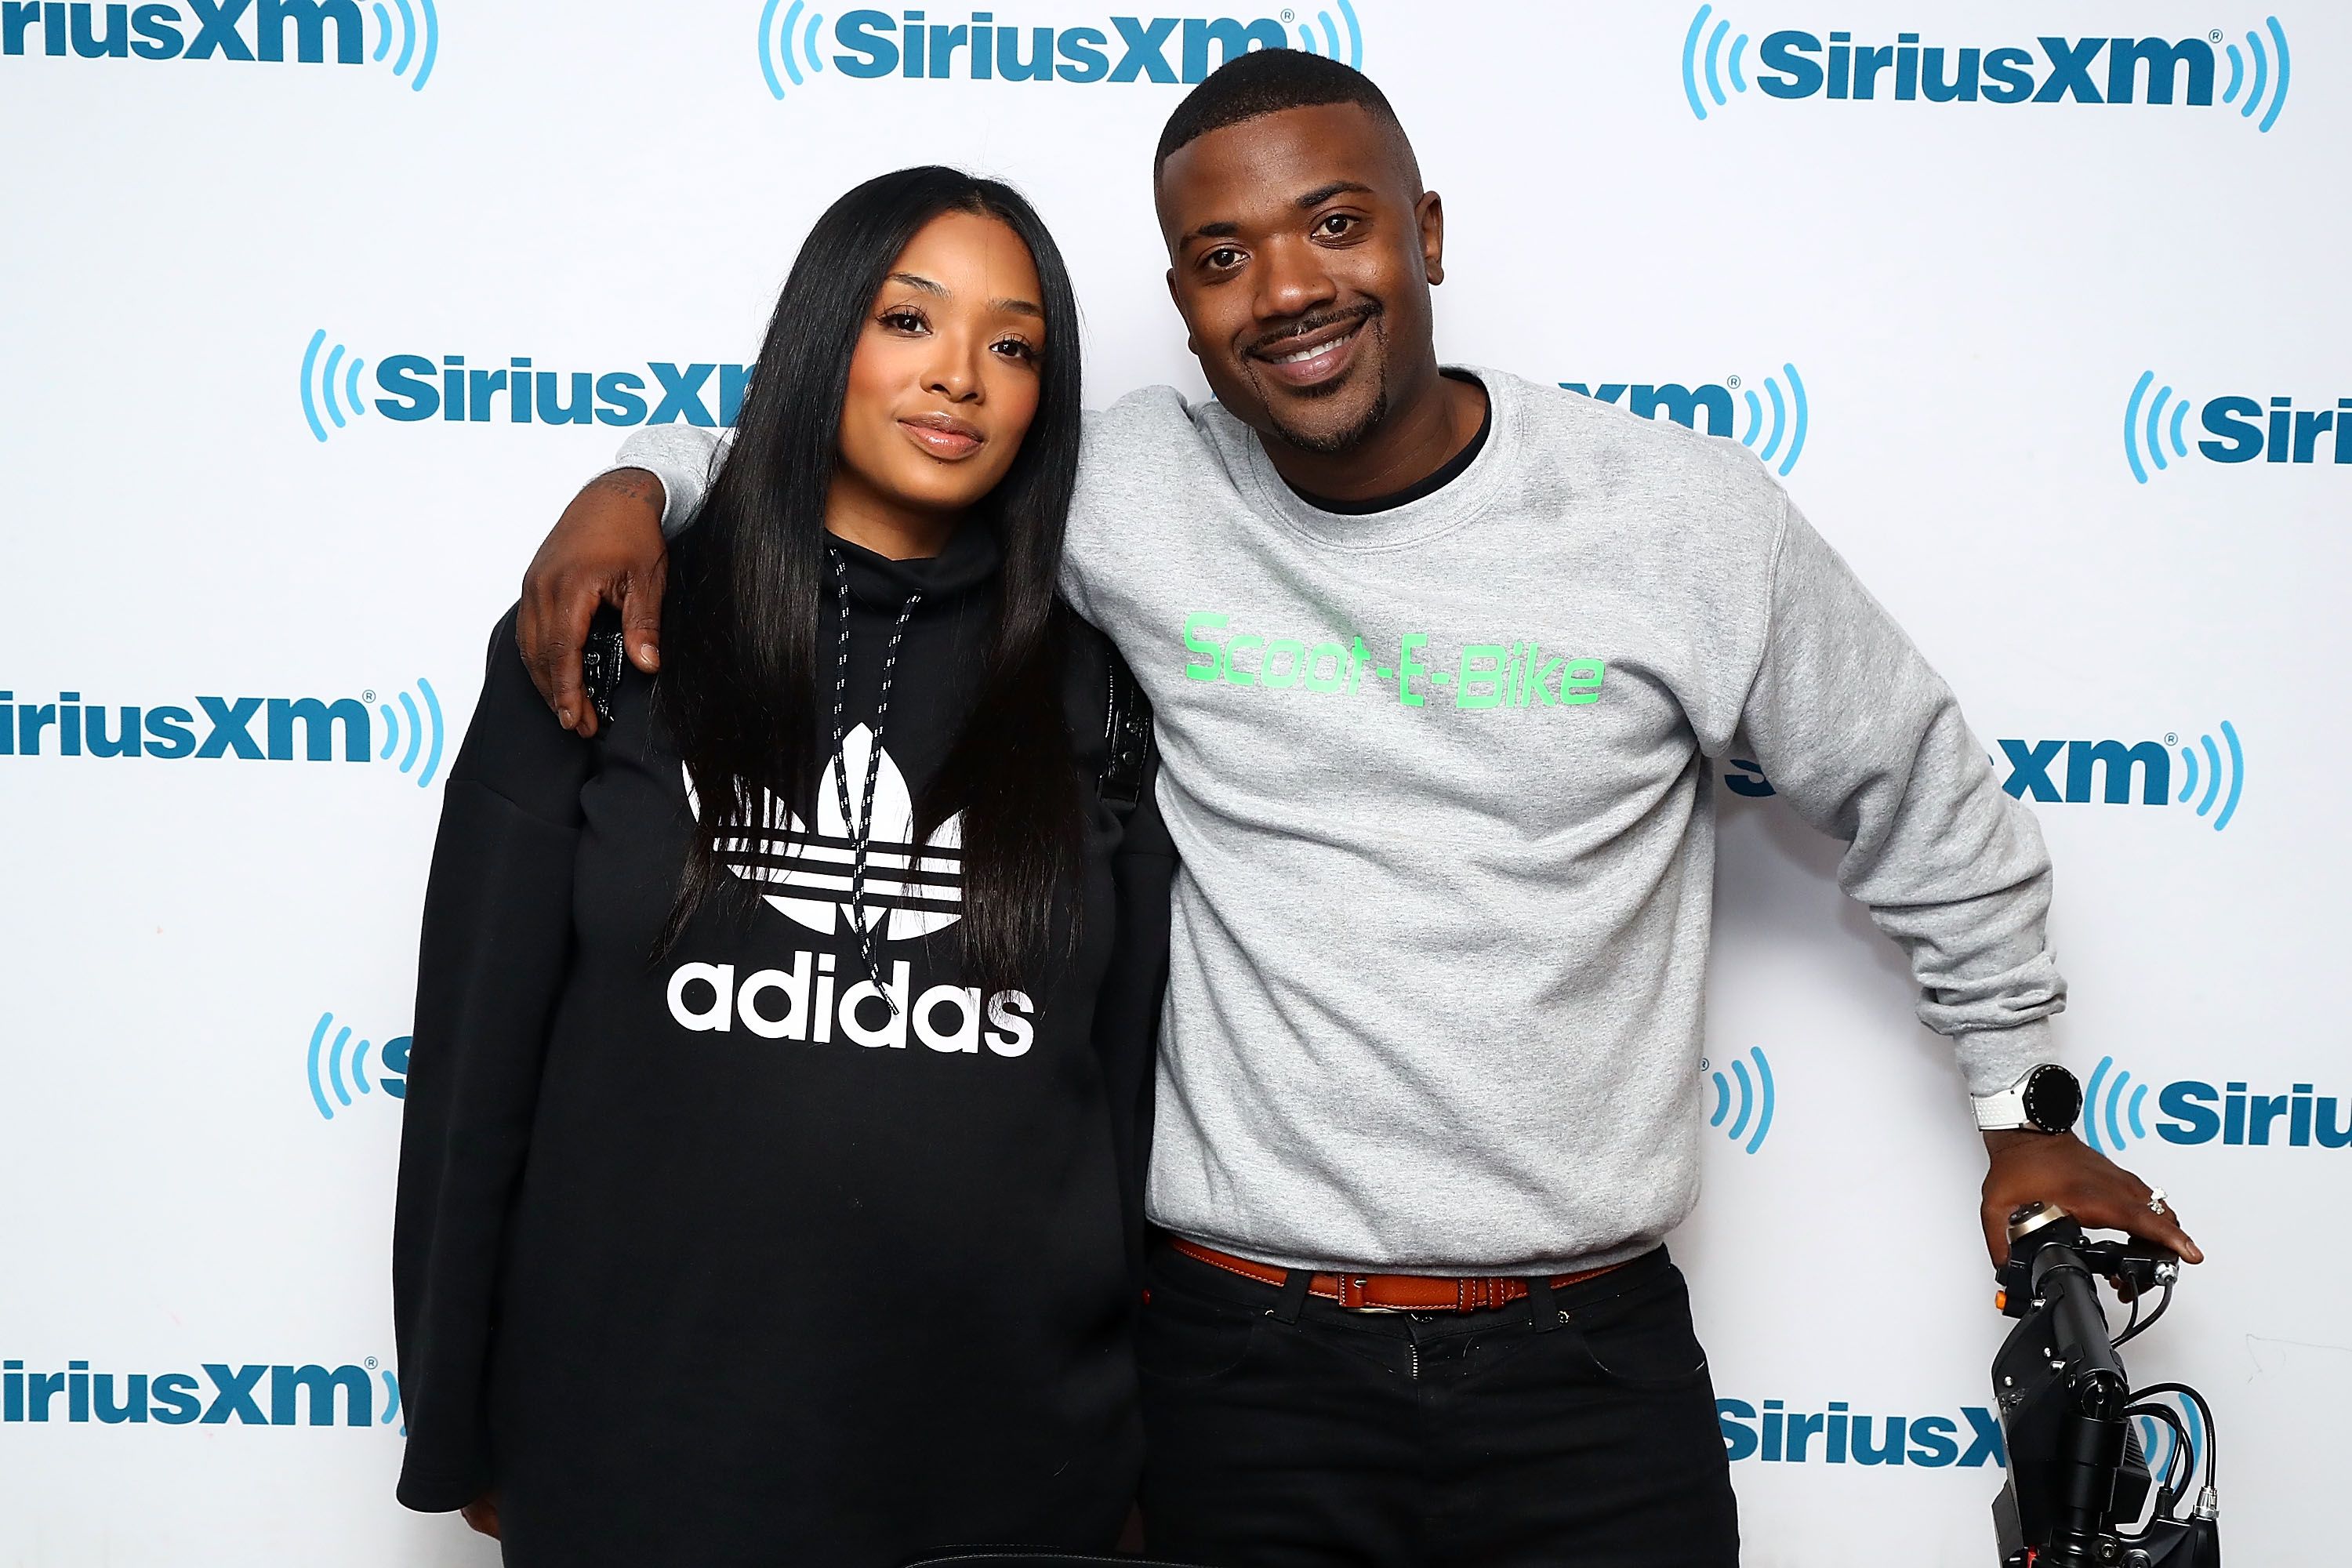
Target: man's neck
1413,442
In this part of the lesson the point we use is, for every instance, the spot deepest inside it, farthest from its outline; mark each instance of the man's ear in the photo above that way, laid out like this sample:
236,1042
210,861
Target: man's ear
1429,215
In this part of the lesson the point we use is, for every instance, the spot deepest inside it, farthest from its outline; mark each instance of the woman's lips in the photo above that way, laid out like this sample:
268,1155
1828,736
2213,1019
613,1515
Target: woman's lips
943,436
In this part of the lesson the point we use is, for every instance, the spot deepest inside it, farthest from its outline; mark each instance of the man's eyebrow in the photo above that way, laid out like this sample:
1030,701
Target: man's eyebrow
1307,202
1321,194
917,281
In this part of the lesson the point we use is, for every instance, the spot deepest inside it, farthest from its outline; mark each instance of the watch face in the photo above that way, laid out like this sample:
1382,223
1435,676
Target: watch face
2052,1099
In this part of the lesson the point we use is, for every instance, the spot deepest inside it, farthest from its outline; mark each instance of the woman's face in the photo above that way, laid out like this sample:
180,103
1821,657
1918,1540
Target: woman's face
945,378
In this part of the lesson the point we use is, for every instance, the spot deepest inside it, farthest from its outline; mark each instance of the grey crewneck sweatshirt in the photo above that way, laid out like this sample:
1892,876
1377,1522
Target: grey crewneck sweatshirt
1441,775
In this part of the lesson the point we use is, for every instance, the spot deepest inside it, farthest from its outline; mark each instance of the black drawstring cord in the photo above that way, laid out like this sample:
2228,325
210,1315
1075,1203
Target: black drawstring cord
861,826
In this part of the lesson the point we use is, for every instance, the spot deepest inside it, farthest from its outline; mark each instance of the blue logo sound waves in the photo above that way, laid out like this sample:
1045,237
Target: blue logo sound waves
419,35
2111,1102
2147,431
333,1069
1327,44
423,731
2263,83
778,45
2218,777
1754,1098
1719,62
1792,63
1783,408
163,32
331,384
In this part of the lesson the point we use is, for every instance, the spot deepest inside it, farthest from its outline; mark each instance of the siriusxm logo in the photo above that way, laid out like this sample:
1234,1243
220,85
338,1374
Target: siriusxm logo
979,49
1753,1097
1778,1435
2103,773
2191,1110
331,1069
257,1394
417,387
292,728
406,41
1783,437
2153,70
2240,429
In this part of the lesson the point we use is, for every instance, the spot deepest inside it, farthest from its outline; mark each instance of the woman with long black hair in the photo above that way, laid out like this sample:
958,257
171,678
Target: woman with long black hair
767,1190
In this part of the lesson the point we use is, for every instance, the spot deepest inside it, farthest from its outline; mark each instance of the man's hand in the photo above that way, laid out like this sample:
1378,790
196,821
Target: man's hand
2041,1167
482,1513
607,548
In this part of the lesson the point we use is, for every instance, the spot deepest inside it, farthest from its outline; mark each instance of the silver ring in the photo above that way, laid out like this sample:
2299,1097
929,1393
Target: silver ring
2156,1201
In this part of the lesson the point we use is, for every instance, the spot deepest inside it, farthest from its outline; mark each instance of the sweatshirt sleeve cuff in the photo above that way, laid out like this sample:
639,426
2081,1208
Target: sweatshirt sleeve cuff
1992,1059
441,1491
680,456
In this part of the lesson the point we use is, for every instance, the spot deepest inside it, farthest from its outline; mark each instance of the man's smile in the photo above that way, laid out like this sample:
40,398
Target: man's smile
1319,353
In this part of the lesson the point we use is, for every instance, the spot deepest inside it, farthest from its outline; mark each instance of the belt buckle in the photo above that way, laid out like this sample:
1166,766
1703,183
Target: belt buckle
1362,1305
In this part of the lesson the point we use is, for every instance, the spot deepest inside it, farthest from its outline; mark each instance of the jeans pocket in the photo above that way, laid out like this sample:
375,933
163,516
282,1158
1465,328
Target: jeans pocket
1182,1339
1643,1338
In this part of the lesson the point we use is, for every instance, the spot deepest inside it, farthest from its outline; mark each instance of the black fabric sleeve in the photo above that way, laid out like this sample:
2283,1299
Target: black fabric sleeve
490,967
1127,1013
1135,982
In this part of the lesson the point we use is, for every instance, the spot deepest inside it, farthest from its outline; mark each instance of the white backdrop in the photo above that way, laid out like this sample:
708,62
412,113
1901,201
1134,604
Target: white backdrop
195,1160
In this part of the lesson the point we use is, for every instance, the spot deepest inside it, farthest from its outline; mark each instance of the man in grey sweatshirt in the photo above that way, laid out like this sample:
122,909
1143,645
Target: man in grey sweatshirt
1444,662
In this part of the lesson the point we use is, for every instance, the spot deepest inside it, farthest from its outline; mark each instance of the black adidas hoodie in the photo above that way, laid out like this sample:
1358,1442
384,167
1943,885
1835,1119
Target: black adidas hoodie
715,1260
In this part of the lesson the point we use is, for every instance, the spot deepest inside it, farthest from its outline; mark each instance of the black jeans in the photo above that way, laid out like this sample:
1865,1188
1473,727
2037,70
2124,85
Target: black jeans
1581,1434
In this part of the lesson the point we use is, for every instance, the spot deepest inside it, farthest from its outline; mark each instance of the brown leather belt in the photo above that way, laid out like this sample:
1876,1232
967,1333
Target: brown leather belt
1389,1292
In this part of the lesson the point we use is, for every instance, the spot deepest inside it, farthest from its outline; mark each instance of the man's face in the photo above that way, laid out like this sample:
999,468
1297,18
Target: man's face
1301,251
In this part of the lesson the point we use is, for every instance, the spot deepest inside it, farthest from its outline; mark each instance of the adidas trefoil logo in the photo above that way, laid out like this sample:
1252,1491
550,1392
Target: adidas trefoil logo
911,889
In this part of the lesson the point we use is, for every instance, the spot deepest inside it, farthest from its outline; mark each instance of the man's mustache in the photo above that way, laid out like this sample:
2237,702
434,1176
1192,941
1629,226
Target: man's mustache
1308,325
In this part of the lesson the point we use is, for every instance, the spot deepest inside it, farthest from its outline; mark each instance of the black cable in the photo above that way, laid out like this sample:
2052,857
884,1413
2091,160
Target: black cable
2135,1329
2169,1495
2131,1324
2212,1434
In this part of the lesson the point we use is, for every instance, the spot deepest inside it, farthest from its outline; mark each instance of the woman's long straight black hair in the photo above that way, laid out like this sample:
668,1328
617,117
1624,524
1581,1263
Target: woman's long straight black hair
738,687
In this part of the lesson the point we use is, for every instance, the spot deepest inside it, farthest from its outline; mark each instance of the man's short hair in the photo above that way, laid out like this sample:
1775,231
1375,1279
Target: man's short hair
1267,81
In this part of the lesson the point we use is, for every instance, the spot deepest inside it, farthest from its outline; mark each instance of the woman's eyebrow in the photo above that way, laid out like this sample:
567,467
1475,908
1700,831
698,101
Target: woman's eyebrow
929,286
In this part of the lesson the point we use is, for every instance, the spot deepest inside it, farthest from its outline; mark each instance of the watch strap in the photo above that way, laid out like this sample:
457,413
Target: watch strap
2002,1110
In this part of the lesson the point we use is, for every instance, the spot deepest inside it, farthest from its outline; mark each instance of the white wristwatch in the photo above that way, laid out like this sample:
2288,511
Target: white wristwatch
2047,1099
